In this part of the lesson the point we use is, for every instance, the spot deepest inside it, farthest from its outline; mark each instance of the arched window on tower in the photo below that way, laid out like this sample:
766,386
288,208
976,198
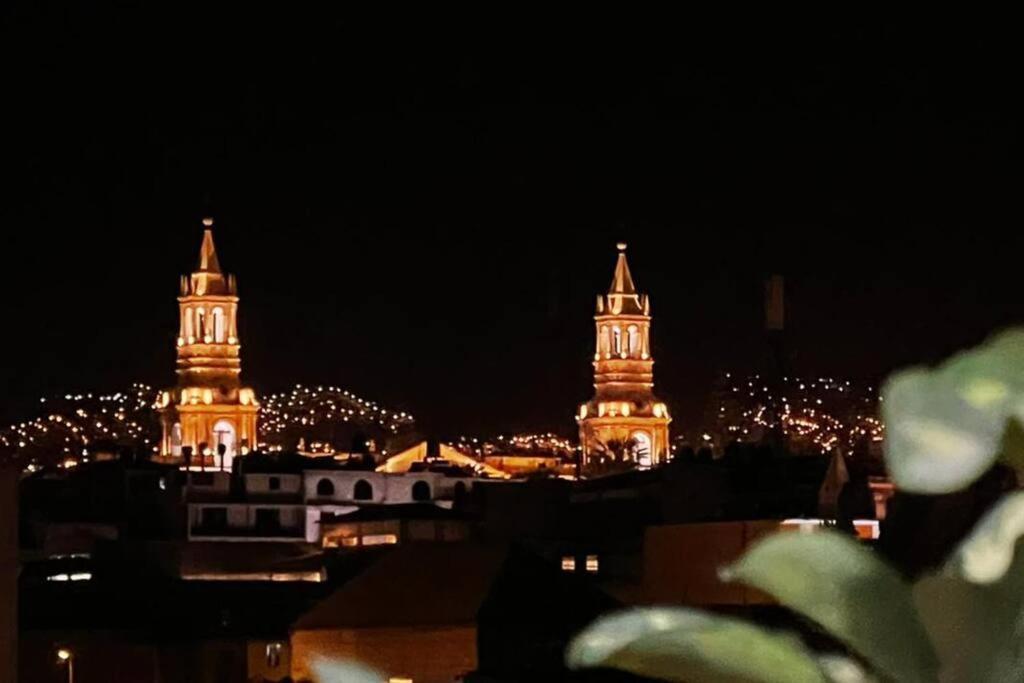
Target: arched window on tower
189,330
200,323
642,448
616,340
362,490
218,325
634,341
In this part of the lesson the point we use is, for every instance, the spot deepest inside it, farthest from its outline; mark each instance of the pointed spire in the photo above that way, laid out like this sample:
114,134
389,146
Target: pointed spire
208,262
622,283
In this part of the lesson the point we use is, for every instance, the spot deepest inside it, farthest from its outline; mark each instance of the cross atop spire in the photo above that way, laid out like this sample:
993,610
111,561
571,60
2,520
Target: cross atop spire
208,262
622,282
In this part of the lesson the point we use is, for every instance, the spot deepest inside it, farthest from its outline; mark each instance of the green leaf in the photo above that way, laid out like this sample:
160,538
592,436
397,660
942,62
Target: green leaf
974,628
844,587
689,645
944,427
1011,450
974,609
988,551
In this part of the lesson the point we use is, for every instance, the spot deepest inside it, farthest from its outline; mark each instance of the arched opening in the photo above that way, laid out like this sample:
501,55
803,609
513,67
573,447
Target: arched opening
219,334
421,491
176,439
642,448
189,330
616,340
325,487
200,323
362,490
634,341
224,435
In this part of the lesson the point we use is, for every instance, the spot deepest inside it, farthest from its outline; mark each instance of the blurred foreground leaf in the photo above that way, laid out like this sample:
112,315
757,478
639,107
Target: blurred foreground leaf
688,645
844,587
986,554
945,427
337,671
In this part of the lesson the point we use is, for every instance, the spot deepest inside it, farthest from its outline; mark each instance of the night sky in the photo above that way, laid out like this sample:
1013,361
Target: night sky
426,220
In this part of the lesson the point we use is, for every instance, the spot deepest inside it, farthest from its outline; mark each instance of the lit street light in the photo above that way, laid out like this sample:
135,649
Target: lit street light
64,657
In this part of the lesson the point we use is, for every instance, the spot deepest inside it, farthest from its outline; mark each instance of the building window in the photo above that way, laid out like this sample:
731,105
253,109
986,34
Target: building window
460,489
380,539
274,655
362,490
274,483
592,564
568,563
616,340
214,518
268,520
421,491
325,487
399,679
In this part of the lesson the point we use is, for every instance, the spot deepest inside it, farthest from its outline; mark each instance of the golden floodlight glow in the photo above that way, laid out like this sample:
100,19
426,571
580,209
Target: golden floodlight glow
63,654
624,409
227,417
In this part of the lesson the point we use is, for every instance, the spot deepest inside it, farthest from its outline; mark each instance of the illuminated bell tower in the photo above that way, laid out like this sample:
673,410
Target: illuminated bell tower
624,414
209,408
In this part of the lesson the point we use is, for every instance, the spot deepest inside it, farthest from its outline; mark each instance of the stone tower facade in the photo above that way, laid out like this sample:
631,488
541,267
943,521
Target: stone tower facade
624,420
209,411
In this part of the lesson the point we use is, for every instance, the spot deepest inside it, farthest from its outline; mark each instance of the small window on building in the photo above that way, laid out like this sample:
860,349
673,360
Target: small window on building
274,655
399,679
421,491
268,520
592,564
568,563
274,483
325,487
214,518
362,490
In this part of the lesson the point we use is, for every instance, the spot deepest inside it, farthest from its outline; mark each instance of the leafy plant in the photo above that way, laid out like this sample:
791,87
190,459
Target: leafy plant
945,427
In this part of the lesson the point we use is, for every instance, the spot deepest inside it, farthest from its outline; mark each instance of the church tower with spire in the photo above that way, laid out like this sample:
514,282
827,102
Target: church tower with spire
209,412
625,420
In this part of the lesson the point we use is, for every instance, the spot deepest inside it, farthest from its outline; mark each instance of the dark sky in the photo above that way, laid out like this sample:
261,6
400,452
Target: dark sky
427,219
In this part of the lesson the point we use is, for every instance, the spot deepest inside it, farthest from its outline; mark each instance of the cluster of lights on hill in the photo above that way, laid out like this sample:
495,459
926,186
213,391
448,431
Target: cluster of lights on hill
526,444
814,414
72,425
73,422
310,407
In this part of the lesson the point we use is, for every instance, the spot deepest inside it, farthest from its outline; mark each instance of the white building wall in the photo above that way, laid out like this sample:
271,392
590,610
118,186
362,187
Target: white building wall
220,484
259,484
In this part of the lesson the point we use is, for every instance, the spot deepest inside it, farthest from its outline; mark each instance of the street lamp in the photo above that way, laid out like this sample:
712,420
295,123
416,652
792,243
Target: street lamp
64,657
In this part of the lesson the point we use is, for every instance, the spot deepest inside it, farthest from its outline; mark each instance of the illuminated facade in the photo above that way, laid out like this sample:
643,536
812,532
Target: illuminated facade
209,408
624,420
